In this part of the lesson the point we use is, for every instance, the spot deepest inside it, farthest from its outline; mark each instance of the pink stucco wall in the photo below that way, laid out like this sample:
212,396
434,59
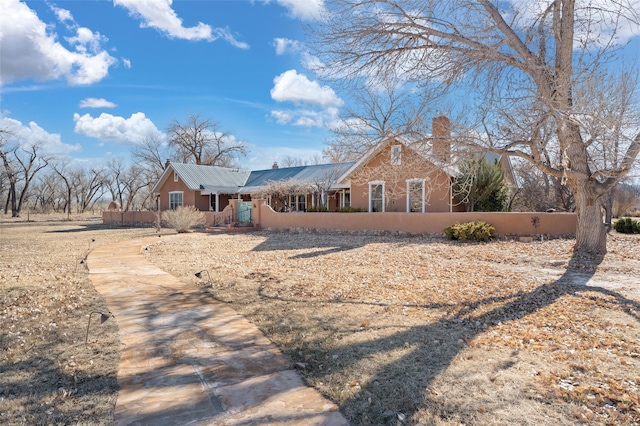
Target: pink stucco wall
438,186
416,223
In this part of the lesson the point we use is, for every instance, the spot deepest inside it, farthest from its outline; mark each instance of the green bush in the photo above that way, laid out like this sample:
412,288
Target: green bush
183,219
627,226
350,209
318,209
474,231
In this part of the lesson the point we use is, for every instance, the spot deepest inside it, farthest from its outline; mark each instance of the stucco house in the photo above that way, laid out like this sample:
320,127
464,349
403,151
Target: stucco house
396,175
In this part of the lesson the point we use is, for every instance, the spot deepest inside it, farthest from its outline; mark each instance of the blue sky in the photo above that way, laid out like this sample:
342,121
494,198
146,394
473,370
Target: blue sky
88,79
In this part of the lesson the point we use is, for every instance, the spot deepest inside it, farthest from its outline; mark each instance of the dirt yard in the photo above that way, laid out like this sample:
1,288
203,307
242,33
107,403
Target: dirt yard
396,330
47,374
423,331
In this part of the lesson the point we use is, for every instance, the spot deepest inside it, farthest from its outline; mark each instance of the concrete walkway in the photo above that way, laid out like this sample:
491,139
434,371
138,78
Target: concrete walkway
188,359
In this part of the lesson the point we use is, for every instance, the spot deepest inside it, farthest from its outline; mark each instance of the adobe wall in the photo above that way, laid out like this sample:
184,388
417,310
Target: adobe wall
437,191
144,218
517,224
188,197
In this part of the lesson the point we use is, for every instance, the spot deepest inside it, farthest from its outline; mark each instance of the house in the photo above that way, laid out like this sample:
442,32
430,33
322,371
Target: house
396,175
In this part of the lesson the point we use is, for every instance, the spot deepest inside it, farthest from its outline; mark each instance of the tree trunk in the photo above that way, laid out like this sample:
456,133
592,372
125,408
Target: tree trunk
607,205
591,234
15,210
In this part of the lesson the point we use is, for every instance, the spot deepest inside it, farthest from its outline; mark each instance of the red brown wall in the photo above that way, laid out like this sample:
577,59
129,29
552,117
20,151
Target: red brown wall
437,190
417,223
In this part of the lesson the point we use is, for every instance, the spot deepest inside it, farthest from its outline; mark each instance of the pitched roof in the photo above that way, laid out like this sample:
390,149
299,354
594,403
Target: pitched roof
205,178
397,139
211,179
314,173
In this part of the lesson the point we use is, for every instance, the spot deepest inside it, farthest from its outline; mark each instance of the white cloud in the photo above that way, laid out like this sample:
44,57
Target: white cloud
96,103
32,134
307,117
126,63
297,88
63,15
317,106
123,130
285,45
29,50
282,117
303,9
158,14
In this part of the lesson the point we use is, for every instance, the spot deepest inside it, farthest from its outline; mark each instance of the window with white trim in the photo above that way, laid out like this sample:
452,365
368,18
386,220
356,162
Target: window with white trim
175,176
298,203
175,199
396,155
376,196
415,195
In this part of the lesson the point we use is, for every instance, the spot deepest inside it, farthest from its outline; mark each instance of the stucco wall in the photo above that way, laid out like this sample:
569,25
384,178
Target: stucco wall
416,223
437,187
188,197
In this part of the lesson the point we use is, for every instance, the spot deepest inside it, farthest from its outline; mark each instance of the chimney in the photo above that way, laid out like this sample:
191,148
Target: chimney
275,166
166,164
441,138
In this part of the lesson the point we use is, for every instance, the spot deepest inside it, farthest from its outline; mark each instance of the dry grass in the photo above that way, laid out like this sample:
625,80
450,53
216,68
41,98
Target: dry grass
47,374
397,330
415,330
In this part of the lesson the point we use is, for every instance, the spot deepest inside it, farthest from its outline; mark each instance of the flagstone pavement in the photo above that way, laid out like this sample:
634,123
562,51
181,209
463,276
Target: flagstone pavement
187,359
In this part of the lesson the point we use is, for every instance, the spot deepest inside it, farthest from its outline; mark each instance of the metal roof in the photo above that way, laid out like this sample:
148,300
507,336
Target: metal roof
210,178
300,173
315,173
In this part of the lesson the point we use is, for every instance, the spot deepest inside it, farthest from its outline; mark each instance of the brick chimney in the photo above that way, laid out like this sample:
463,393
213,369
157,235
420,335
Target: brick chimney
275,166
166,164
441,138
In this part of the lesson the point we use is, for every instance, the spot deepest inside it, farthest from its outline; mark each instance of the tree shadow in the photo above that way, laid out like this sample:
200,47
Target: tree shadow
431,349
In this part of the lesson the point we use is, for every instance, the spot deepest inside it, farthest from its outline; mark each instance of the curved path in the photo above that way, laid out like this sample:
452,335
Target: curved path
188,359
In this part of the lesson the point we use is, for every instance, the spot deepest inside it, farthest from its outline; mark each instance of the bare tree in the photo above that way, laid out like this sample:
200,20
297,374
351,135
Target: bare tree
519,64
21,164
61,168
377,111
89,185
125,182
204,142
321,185
152,154
290,161
538,191
280,192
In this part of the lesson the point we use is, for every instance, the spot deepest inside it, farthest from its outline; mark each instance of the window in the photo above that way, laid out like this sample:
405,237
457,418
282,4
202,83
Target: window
175,176
376,197
415,195
298,203
175,200
396,155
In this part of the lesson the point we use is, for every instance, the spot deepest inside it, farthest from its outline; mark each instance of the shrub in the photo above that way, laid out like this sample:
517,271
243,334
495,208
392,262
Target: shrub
474,231
350,209
627,226
183,219
320,209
